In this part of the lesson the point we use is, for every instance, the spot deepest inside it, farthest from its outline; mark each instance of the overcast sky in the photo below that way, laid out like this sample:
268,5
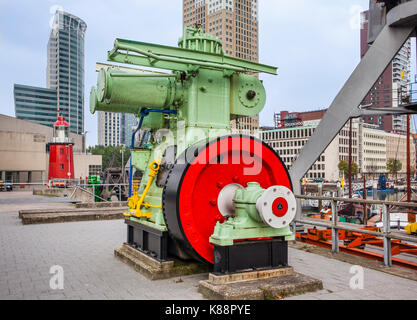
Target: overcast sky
314,43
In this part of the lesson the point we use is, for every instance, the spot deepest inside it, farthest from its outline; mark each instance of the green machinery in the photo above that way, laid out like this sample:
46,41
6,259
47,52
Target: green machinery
94,183
205,192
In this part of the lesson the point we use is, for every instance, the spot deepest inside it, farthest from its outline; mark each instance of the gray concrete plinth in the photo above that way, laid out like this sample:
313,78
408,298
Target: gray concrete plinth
157,270
43,216
116,204
258,285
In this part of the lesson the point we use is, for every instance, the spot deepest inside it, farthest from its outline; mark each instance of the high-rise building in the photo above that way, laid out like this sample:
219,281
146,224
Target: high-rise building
65,68
115,129
109,128
64,78
391,86
235,23
38,105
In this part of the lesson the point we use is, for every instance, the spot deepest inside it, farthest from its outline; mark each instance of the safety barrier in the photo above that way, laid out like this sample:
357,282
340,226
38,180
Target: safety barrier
335,225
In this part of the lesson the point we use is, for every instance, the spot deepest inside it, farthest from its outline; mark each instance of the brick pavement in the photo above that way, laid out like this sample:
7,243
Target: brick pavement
85,251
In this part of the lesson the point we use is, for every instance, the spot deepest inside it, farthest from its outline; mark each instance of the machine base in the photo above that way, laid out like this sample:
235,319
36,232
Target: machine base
154,269
250,255
149,251
150,241
258,285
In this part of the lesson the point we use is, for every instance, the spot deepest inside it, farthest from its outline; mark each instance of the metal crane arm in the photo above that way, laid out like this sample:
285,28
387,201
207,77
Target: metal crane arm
347,102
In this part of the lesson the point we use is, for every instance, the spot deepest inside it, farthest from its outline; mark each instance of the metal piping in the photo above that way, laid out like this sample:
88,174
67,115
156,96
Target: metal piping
144,113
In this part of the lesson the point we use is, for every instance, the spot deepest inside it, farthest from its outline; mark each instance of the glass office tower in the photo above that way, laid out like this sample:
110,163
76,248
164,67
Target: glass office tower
35,104
65,69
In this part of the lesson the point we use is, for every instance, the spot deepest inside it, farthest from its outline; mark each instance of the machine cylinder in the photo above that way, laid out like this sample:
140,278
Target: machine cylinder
128,92
95,105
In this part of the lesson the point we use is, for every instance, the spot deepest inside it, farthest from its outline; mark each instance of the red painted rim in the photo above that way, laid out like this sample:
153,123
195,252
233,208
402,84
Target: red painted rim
205,178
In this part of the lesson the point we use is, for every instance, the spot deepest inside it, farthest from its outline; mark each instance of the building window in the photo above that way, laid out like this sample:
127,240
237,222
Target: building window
94,170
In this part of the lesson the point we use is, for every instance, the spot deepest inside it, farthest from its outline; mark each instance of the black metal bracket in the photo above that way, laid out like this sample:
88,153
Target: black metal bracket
152,242
250,255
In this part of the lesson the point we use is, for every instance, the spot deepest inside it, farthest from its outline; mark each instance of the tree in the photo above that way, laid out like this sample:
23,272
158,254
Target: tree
344,167
107,154
394,166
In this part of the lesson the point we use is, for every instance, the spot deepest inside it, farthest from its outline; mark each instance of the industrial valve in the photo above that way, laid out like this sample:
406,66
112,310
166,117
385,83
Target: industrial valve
211,189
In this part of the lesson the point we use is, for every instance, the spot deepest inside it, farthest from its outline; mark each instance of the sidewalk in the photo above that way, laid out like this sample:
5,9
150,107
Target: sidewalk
85,251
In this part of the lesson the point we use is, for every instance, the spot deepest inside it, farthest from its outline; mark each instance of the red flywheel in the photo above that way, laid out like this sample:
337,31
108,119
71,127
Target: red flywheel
199,175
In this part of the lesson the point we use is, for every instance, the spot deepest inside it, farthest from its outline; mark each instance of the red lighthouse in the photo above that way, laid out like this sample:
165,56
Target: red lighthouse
61,159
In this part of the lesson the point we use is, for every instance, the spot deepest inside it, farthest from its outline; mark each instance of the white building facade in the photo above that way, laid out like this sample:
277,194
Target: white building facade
110,129
373,149
288,143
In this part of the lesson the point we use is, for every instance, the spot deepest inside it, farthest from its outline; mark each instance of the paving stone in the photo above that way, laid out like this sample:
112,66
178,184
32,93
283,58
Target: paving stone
85,251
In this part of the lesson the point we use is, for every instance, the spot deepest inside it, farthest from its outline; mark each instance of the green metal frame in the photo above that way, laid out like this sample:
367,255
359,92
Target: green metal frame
206,89
179,59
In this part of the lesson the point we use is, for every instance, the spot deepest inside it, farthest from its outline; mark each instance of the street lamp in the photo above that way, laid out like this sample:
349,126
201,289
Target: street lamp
122,151
85,141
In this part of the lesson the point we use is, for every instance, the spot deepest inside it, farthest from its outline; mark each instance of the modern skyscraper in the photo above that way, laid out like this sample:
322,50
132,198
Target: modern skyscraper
235,23
391,86
65,69
64,78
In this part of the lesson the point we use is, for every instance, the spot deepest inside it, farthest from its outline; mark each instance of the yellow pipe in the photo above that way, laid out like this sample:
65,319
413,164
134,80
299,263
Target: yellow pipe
154,166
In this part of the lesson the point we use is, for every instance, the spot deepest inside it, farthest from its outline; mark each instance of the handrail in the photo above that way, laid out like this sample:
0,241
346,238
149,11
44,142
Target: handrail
95,196
335,225
361,201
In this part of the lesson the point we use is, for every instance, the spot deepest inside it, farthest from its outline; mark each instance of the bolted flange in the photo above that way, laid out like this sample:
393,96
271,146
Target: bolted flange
277,206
